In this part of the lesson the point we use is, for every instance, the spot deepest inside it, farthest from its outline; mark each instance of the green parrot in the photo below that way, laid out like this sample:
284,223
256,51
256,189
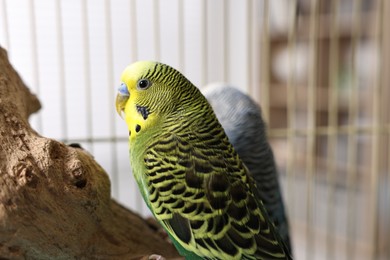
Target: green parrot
241,119
189,175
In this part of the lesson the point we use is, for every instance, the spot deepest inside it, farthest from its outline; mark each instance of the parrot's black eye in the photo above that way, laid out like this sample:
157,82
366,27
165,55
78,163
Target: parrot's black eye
143,84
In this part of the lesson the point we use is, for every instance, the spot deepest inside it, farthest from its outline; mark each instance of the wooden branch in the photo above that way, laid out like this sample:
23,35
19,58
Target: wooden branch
55,199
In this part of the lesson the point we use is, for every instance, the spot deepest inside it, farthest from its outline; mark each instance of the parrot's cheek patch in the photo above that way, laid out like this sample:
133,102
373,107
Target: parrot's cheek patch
144,111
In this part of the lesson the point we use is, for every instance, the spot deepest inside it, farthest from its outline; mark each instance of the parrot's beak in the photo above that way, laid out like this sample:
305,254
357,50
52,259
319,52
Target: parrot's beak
121,99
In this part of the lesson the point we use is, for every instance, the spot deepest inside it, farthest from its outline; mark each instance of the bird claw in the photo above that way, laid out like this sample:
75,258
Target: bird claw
156,257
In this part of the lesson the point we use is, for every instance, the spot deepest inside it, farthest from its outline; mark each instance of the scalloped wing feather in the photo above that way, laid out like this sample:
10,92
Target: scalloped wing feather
204,197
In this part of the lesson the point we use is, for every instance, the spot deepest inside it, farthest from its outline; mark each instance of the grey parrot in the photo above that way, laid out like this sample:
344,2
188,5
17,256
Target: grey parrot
241,119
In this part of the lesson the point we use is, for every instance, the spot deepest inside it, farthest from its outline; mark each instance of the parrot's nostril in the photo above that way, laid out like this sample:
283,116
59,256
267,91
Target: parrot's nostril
123,90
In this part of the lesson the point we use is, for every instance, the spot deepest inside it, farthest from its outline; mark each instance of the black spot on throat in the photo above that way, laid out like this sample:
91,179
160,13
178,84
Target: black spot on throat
137,128
143,111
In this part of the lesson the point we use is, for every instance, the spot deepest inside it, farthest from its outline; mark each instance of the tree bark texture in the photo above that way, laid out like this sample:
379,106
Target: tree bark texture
54,199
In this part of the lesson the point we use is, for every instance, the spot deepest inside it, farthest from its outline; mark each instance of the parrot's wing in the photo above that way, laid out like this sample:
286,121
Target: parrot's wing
203,196
241,118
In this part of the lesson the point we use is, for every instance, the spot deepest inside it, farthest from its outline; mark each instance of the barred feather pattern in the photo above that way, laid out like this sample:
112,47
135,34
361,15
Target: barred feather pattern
202,193
176,99
241,119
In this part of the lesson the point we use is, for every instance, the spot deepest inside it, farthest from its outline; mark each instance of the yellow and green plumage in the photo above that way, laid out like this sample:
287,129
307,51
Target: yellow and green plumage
189,174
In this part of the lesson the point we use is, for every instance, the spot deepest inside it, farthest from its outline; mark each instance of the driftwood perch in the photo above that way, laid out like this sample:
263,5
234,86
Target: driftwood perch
54,199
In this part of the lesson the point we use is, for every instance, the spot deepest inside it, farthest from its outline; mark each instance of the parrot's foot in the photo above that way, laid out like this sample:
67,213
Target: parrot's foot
156,257
149,257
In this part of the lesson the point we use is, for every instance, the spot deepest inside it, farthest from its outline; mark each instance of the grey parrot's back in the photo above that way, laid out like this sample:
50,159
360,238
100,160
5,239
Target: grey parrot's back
241,119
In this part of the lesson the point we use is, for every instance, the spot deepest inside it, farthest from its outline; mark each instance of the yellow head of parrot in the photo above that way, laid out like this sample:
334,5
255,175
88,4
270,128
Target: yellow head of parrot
131,77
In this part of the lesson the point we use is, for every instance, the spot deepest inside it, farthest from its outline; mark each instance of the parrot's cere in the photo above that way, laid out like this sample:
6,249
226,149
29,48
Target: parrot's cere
242,122
190,176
